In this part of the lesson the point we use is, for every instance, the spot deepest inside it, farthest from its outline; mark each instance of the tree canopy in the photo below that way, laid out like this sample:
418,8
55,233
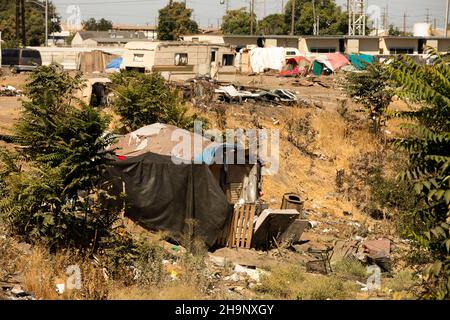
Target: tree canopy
237,22
332,20
35,23
101,25
273,24
175,21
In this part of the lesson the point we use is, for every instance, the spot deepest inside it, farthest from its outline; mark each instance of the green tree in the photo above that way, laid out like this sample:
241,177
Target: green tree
394,31
144,99
371,89
332,20
101,25
428,146
238,22
35,23
62,195
175,21
273,24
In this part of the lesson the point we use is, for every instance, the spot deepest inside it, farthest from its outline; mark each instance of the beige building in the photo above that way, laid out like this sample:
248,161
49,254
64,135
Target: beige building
442,44
321,44
364,45
90,39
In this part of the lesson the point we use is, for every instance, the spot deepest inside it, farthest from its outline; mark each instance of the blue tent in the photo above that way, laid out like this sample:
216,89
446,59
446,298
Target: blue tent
115,64
361,60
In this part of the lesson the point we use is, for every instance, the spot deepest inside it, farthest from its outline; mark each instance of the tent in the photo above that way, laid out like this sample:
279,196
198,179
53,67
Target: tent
296,66
167,186
360,60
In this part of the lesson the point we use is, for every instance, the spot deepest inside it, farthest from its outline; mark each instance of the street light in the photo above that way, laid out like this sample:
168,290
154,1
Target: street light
45,6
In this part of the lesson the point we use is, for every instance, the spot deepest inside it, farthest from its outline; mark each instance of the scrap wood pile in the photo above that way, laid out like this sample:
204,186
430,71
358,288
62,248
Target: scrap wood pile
202,91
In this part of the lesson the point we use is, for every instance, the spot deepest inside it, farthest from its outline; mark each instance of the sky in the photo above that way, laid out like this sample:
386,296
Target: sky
208,12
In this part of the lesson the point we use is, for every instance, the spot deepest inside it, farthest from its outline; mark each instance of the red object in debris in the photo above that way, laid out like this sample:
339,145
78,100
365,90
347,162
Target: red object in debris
121,158
377,247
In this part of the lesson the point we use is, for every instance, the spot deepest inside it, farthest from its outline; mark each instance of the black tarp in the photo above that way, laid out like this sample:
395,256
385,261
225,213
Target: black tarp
164,196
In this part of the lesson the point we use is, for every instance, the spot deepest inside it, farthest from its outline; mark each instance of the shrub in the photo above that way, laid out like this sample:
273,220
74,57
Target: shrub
61,196
427,145
372,90
350,267
144,99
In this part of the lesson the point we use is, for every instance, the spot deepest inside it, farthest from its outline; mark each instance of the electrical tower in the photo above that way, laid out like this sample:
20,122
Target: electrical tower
357,17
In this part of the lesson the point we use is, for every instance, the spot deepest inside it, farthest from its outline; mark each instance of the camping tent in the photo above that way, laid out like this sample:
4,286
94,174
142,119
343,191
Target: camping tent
296,66
167,185
332,61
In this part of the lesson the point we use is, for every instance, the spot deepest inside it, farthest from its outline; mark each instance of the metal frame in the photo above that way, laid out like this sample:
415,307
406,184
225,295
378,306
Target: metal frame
357,17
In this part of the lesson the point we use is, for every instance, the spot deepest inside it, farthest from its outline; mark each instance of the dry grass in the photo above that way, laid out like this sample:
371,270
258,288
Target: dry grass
291,283
350,268
175,291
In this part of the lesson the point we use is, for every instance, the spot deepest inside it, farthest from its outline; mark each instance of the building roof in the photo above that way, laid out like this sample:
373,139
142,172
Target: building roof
134,27
111,35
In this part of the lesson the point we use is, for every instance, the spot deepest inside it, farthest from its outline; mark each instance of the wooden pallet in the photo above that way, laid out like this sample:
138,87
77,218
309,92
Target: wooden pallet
239,231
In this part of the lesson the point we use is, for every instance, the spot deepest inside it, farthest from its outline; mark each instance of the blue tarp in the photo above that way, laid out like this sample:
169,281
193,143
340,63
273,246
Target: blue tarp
360,60
208,156
115,64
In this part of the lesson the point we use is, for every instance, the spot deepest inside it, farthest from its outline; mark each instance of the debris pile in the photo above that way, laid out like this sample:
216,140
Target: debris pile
10,91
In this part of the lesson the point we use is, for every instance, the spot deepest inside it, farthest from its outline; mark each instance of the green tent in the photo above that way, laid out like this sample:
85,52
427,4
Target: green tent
317,68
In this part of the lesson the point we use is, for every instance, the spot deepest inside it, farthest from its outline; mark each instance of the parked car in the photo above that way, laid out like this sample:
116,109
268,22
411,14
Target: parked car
21,59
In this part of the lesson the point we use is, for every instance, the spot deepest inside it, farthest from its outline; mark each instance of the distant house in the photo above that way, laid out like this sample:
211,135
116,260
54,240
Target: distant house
89,39
150,32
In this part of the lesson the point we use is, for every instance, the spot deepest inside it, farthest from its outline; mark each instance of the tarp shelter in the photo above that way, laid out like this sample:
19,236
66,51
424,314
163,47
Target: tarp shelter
361,60
94,61
164,195
333,61
115,64
296,66
262,59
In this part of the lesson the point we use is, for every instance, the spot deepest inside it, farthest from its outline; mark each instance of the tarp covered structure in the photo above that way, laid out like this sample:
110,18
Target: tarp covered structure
164,196
262,59
361,60
167,186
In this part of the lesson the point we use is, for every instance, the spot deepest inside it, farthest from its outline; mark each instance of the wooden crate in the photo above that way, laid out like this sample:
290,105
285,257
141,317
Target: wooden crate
239,231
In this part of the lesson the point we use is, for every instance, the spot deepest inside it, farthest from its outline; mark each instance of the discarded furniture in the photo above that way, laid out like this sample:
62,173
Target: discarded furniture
322,264
239,231
271,225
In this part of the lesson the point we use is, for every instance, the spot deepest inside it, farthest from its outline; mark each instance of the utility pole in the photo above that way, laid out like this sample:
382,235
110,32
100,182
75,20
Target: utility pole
314,18
24,34
17,20
446,18
293,18
46,23
428,15
265,8
282,6
404,23
252,10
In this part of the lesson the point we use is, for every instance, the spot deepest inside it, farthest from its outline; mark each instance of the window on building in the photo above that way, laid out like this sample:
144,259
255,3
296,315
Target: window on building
214,55
323,50
228,60
401,50
181,59
138,58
